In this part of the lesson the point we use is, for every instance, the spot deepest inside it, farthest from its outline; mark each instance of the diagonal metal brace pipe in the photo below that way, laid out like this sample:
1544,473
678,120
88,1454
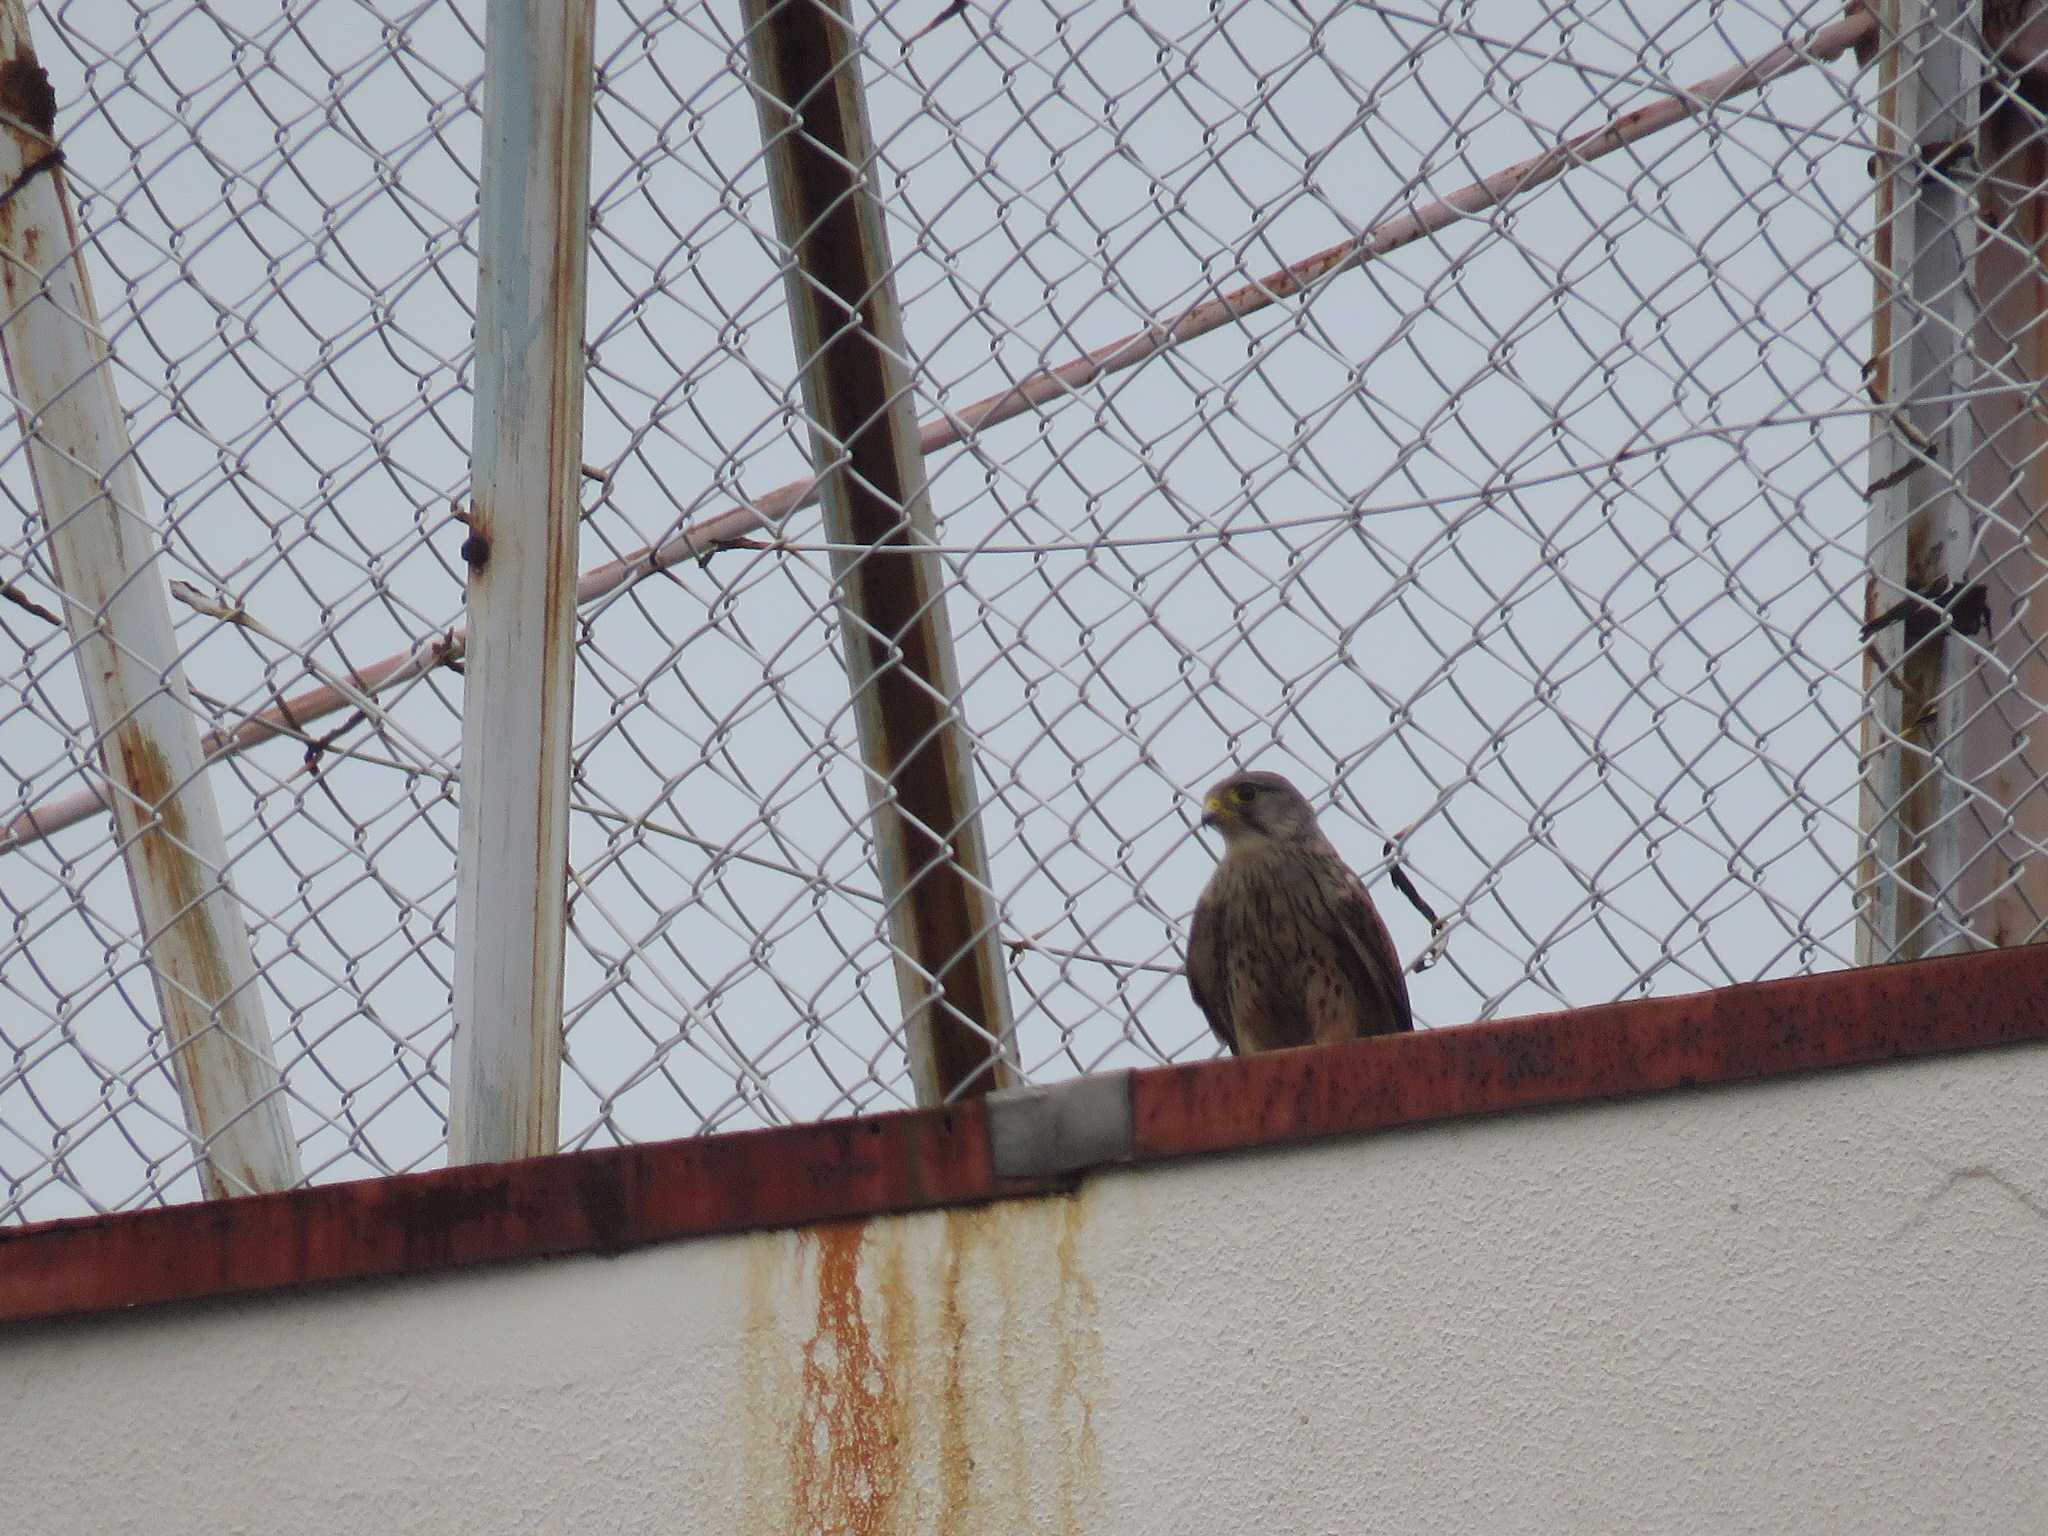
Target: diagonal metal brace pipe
942,915
104,549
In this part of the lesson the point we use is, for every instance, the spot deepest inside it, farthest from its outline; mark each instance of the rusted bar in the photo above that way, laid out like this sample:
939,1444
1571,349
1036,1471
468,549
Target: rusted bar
512,875
1953,810
619,1197
600,1201
1919,524
942,915
116,609
1732,1035
2000,884
1822,46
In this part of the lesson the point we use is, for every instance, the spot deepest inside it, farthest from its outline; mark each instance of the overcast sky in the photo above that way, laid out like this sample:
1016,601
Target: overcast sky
1544,535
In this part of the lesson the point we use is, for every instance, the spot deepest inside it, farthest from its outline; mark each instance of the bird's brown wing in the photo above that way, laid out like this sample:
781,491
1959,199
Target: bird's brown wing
1205,967
1366,951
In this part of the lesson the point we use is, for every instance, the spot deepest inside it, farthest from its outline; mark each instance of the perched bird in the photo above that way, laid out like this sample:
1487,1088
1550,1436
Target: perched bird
1286,947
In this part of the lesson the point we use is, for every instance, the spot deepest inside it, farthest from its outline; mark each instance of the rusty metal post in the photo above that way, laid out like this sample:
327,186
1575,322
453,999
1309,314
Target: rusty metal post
1922,818
1955,806
848,330
2003,886
512,879
119,617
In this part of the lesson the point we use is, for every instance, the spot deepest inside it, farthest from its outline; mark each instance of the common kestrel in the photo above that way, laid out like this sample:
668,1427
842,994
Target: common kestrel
1287,947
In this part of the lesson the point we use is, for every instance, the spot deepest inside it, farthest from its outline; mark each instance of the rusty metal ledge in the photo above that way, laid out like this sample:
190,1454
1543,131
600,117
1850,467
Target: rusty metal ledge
606,1201
574,1202
1765,1029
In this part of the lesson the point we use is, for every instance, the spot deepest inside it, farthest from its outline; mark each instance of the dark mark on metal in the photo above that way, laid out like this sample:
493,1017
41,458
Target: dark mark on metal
476,551
1967,608
21,599
45,162
1944,158
1407,888
602,1191
957,8
317,746
27,95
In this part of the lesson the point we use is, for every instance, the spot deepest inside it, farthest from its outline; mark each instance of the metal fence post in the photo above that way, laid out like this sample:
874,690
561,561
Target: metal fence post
1921,818
850,348
521,552
118,615
2003,885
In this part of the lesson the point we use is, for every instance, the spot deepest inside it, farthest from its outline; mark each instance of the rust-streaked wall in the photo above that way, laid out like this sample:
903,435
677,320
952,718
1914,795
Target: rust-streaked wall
1814,1305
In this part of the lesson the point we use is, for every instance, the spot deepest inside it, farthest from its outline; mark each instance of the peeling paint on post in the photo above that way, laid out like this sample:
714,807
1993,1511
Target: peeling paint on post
905,683
511,897
1952,806
119,619
1919,529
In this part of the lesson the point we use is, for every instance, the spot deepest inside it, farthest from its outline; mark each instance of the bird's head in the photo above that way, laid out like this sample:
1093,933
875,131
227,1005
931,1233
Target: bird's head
1256,805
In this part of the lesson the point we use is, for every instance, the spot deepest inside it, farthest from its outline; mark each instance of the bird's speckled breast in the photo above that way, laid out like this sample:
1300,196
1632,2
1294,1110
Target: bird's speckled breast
1283,981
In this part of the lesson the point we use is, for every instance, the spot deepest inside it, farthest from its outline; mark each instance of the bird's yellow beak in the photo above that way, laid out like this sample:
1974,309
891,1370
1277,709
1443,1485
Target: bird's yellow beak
1214,811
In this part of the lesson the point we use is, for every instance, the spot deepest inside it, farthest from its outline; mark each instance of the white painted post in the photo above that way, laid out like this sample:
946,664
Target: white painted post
119,618
527,452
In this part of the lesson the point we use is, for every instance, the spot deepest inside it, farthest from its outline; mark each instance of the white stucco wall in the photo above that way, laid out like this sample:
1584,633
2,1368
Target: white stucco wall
1813,1306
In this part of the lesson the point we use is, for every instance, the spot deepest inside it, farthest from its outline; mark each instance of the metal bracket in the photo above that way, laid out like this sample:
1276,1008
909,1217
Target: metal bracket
1956,159
1037,1133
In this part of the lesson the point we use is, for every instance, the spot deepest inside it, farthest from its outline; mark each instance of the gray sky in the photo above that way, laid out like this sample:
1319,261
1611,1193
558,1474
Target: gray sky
1615,699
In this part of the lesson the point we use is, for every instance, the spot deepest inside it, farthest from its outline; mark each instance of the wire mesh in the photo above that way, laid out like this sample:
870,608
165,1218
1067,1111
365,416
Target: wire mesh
1538,544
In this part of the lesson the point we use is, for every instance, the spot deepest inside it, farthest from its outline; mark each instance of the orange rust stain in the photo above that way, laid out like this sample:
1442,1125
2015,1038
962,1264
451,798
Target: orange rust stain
767,1387
846,1447
956,1440
998,1228
1077,1320
994,1399
899,1357
187,948
165,841
940,1373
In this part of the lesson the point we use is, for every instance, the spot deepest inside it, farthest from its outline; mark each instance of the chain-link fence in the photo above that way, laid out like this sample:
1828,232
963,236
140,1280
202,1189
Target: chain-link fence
1540,542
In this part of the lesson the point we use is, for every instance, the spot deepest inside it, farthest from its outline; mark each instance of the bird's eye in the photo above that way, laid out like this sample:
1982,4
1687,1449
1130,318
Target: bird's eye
1245,794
